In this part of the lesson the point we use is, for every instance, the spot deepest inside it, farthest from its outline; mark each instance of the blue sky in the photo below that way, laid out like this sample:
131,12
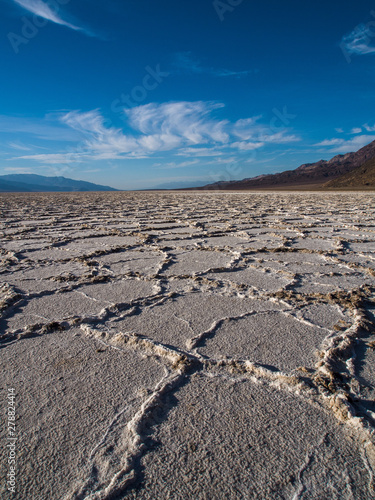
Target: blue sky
142,93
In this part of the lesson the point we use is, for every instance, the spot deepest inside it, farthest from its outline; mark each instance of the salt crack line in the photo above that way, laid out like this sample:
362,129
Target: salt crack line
178,359
306,322
309,457
259,373
369,468
134,443
108,430
192,343
333,378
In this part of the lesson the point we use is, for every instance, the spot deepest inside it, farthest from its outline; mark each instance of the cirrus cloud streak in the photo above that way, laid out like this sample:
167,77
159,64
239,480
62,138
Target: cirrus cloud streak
44,10
183,128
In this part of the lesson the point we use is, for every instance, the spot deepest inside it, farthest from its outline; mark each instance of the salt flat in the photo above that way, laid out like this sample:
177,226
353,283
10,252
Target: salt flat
189,345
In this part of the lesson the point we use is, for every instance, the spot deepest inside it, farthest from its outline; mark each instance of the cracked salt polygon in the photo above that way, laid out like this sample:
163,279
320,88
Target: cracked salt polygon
144,262
325,315
183,230
317,283
46,276
365,261
365,247
364,363
178,243
52,307
263,242
48,271
118,292
195,261
270,338
233,438
70,395
314,244
23,245
257,279
231,240
89,245
177,320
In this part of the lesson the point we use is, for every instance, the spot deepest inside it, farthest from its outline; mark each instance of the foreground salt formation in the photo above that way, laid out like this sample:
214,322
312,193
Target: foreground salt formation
173,345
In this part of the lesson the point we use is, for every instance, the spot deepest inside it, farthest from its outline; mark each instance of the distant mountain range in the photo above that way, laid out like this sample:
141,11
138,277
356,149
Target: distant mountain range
363,176
32,183
351,170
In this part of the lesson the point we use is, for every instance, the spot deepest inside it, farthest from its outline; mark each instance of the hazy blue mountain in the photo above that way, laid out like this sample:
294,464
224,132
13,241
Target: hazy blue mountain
39,183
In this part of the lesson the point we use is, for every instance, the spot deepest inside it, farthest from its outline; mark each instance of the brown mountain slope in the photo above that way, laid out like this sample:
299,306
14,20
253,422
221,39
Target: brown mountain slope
311,174
363,176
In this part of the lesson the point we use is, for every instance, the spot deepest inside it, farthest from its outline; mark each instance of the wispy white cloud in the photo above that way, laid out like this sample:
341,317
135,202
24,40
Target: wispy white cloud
18,170
347,146
100,141
247,146
50,12
19,146
356,130
360,41
330,142
45,129
246,127
185,128
174,165
278,138
189,121
51,159
249,129
185,62
230,159
200,152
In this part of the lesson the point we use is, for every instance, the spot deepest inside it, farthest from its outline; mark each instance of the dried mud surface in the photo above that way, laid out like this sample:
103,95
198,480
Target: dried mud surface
189,345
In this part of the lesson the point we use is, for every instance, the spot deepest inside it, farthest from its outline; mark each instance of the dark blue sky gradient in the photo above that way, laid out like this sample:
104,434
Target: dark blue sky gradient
311,62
